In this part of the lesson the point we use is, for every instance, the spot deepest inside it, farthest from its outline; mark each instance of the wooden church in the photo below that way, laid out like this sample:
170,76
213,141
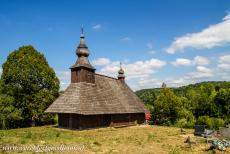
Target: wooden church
94,100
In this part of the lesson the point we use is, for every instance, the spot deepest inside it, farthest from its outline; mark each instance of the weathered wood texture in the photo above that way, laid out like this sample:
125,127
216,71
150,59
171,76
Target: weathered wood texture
82,75
77,121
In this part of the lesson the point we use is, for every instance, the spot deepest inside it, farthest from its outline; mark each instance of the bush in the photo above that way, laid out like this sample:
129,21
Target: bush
166,122
181,123
184,123
205,120
218,122
211,123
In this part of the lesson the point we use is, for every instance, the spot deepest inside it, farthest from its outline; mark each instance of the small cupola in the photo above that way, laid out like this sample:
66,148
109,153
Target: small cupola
121,74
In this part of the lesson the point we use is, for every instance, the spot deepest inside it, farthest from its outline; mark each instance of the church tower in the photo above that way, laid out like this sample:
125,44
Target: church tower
82,70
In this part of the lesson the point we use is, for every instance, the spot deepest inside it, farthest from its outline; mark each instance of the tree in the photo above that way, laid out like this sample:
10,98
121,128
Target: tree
166,106
201,99
222,101
32,84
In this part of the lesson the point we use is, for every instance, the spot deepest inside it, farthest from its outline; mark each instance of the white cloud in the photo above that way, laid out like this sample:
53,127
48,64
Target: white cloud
101,61
226,77
213,36
97,27
198,60
143,68
224,66
177,81
126,39
227,17
224,63
64,77
224,59
201,72
182,62
149,82
134,70
203,69
149,45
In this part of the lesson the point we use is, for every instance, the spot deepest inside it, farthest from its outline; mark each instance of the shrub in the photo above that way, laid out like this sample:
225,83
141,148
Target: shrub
218,122
184,123
205,120
181,123
186,119
211,123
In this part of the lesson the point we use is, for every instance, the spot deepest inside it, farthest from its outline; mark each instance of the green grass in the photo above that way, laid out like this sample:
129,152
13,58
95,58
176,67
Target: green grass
135,139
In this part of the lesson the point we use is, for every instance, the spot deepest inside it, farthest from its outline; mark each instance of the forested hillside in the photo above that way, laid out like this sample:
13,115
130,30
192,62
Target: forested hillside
202,103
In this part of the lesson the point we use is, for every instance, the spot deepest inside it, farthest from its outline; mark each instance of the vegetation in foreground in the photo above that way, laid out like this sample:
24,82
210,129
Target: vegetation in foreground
135,139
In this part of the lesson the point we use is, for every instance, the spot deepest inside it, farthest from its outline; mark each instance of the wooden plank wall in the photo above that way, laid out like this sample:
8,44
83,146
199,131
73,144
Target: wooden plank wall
76,121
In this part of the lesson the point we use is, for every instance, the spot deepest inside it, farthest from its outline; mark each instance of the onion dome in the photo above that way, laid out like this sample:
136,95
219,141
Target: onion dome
121,73
82,53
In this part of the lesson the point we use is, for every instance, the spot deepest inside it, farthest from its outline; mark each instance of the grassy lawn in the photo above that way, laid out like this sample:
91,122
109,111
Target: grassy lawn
135,139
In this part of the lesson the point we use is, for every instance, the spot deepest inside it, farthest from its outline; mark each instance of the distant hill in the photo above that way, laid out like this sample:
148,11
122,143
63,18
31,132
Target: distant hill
149,95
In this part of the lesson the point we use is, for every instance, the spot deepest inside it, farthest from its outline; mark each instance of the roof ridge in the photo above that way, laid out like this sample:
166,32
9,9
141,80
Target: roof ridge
106,76
87,83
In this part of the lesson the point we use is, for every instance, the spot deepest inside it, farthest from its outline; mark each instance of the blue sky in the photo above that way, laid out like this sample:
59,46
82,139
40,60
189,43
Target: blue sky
173,41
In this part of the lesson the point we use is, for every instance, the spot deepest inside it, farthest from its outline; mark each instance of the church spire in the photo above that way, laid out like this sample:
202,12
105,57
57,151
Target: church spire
121,74
82,70
82,53
82,49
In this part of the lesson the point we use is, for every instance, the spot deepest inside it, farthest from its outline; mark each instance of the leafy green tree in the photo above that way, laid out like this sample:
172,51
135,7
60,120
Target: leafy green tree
201,99
32,84
166,107
222,101
185,118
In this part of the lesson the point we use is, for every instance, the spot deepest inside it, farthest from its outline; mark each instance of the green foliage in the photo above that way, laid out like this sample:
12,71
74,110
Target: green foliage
205,120
181,122
211,123
185,105
222,102
186,118
148,96
218,122
166,107
9,115
31,84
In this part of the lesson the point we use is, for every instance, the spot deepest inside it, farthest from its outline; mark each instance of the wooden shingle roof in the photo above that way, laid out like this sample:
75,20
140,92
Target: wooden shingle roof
107,96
